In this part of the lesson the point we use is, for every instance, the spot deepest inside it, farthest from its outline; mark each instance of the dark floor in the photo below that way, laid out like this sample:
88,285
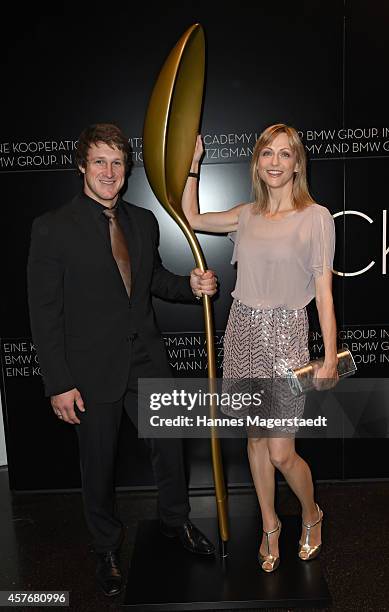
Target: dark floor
44,544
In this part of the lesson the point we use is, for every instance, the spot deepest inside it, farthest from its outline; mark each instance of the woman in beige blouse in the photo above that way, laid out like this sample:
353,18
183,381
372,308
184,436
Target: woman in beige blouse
284,247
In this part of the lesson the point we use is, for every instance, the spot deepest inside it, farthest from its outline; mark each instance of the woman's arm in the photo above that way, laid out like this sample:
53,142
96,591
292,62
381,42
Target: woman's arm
325,308
218,222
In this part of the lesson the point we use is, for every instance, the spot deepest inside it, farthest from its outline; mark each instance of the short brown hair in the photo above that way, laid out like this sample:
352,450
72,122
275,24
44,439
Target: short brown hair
110,134
300,194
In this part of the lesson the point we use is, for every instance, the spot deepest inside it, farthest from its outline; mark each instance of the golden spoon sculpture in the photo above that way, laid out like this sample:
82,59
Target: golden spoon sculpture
169,135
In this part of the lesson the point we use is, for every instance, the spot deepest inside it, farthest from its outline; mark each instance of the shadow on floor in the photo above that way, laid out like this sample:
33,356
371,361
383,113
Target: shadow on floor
44,544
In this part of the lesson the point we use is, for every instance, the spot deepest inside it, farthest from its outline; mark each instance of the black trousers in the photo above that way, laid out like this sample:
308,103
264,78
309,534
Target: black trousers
98,436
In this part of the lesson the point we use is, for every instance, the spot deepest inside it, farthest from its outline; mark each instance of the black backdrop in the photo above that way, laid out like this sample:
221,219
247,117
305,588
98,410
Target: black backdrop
319,66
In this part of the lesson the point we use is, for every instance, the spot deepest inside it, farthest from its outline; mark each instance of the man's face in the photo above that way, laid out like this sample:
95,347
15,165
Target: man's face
104,173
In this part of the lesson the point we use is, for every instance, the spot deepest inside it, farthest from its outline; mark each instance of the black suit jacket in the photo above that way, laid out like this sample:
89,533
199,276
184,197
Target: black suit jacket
82,320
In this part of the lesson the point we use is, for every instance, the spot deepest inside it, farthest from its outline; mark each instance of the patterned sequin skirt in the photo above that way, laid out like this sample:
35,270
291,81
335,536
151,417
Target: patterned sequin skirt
259,347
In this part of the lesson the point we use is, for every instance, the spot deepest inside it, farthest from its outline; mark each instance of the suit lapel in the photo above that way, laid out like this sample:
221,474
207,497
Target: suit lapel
135,243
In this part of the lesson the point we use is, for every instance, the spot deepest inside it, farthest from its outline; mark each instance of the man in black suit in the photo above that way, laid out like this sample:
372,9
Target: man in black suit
92,271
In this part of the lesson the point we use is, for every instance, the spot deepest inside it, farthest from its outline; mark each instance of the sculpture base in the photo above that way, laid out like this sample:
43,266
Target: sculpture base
163,576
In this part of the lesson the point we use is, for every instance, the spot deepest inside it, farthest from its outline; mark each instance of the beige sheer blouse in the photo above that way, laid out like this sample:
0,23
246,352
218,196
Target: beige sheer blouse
278,260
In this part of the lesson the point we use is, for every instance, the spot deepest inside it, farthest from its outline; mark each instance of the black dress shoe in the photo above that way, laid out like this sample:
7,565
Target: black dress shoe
108,573
190,537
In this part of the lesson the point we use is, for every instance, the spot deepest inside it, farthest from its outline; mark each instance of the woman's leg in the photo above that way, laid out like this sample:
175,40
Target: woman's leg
283,456
263,474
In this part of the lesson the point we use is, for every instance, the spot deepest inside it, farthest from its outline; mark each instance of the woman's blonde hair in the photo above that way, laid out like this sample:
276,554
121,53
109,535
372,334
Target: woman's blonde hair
300,194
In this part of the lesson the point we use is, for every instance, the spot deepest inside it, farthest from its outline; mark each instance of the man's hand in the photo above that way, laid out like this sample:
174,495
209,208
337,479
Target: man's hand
203,282
63,405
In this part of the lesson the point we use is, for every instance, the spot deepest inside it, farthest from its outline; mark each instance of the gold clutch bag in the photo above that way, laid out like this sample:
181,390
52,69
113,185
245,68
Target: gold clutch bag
301,379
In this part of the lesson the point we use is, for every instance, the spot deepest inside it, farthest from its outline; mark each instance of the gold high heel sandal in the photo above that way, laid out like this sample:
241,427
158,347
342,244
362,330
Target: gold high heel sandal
270,559
306,551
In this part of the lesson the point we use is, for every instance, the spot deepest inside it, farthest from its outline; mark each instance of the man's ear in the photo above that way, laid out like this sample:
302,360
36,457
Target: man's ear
81,169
